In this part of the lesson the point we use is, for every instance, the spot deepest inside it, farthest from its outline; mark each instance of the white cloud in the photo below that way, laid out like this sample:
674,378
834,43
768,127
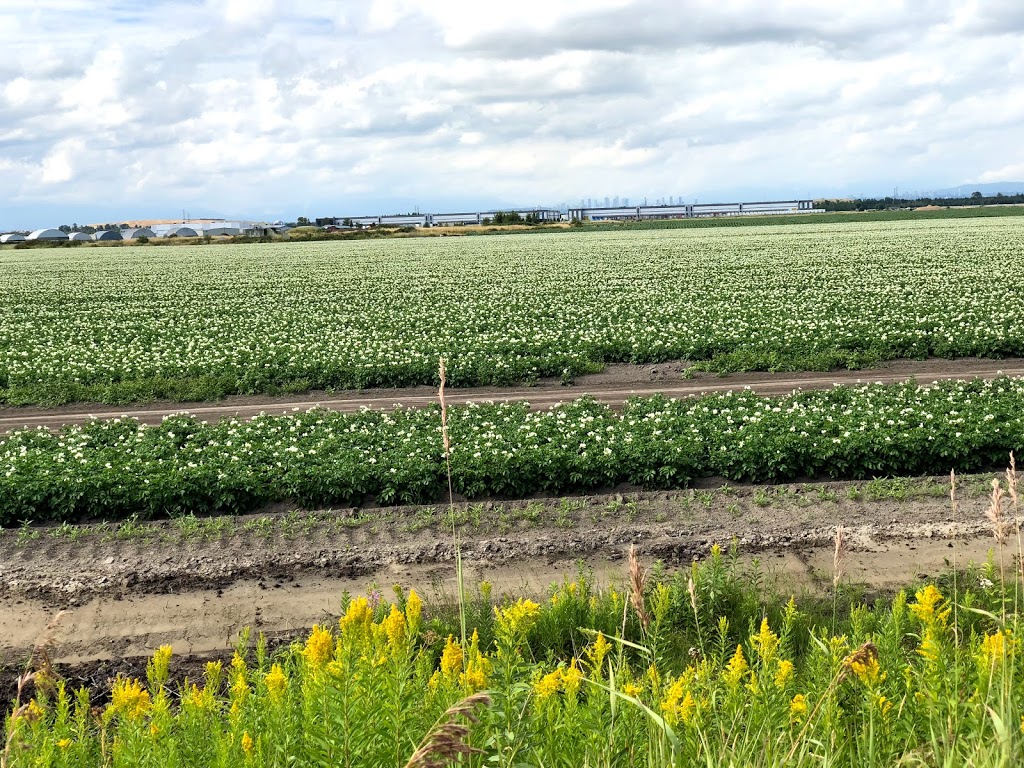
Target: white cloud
137,107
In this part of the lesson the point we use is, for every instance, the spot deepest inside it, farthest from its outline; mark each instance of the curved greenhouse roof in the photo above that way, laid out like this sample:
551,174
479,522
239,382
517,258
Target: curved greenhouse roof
107,234
79,236
47,234
180,232
12,237
132,234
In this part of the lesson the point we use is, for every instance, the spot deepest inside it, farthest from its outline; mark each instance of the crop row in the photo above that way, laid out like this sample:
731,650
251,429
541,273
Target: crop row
118,468
192,323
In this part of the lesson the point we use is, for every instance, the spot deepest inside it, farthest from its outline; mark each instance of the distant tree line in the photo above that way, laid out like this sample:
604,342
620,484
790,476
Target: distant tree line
512,217
887,203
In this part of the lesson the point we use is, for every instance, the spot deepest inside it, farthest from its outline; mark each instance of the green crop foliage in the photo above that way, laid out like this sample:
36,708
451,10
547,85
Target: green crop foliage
119,468
195,323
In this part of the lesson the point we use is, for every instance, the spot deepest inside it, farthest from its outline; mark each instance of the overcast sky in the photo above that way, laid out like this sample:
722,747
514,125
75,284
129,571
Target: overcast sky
280,108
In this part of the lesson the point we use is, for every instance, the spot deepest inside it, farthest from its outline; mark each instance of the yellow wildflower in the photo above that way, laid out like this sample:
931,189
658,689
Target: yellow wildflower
798,707
64,743
214,670
129,698
868,672
394,627
319,647
765,642
571,680
929,608
485,590
516,621
413,612
548,685
736,668
451,659
631,689
358,617
247,745
35,711
929,649
475,676
678,704
884,705
784,673
237,664
597,652
159,666
994,647
276,683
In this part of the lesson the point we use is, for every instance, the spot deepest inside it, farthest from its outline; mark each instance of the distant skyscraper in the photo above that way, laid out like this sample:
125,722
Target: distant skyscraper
625,201
671,200
615,201
607,201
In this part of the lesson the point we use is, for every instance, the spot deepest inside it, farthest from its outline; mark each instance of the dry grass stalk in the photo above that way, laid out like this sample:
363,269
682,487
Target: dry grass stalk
994,513
1012,485
637,582
441,370
692,589
447,740
838,556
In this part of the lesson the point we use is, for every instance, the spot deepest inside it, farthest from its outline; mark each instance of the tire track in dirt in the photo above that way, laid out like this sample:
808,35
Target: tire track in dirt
542,396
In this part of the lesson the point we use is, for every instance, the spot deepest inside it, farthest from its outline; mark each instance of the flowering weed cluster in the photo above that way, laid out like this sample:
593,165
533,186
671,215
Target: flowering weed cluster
748,678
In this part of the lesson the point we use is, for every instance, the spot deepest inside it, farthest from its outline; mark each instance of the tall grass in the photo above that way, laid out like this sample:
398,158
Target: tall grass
709,666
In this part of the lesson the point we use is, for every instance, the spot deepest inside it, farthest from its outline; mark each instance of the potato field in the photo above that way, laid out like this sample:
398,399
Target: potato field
127,324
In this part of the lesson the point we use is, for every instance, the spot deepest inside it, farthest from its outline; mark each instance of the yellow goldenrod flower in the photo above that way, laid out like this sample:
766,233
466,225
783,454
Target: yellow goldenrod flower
319,647
475,676
485,590
736,668
247,745
631,689
784,673
128,698
765,642
678,704
597,652
868,672
516,621
994,647
357,618
413,612
929,649
929,608
451,659
571,679
214,670
548,685
884,705
158,669
64,743
276,683
237,664
798,707
394,627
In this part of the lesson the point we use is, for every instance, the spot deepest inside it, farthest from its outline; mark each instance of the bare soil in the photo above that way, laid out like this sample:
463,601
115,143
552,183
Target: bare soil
613,385
124,592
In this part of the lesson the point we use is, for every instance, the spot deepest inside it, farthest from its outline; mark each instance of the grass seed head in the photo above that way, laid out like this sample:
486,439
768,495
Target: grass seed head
637,581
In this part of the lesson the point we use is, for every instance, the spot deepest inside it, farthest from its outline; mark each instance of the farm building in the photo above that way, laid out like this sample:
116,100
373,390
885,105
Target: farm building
181,231
134,234
12,237
79,237
47,234
107,235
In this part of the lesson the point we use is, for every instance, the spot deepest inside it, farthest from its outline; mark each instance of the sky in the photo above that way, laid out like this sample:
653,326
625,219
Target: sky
274,109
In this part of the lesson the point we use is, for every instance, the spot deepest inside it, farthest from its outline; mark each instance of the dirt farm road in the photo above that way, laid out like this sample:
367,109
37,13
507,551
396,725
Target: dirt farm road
613,386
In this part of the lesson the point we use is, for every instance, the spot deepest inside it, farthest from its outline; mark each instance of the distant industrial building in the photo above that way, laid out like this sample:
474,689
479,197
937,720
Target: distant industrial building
692,211
47,234
177,231
438,219
12,237
79,237
107,235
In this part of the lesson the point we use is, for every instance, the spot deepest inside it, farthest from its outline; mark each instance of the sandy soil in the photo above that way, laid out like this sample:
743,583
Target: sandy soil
614,386
125,594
